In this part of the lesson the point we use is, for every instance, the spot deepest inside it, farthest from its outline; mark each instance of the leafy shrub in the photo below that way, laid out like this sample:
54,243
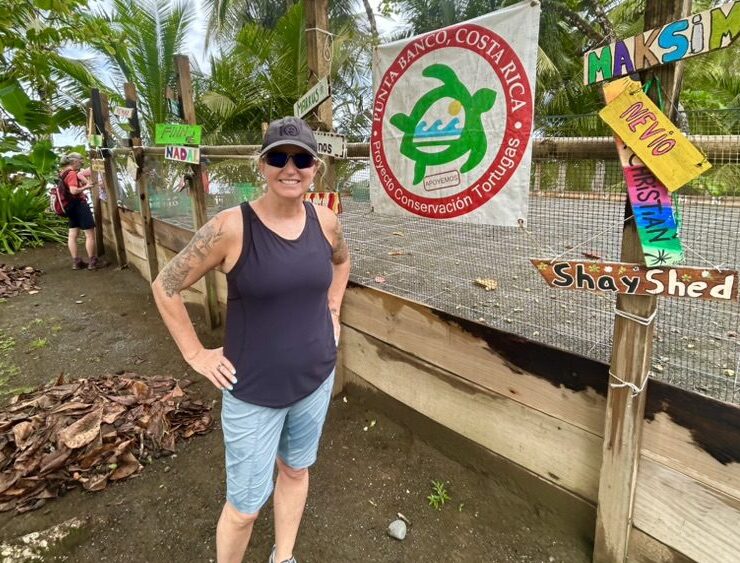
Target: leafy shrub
25,219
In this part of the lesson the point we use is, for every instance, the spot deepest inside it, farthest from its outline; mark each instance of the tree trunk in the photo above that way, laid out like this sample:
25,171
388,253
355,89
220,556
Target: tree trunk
371,20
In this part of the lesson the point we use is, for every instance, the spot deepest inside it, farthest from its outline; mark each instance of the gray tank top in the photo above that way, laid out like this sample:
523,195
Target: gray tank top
279,333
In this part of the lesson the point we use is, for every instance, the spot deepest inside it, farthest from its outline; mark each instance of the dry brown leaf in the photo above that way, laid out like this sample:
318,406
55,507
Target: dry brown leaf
127,466
83,431
489,284
141,390
21,433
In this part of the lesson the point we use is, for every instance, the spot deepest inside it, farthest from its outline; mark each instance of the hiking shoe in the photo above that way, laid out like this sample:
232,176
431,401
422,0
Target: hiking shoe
272,558
96,263
79,264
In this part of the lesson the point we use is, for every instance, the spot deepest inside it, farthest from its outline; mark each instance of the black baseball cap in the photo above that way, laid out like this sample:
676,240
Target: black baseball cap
289,131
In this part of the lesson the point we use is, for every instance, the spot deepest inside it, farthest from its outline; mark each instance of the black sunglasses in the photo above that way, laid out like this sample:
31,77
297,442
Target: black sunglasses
279,159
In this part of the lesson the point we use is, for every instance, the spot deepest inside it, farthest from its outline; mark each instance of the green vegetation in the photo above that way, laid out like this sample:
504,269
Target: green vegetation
39,343
439,495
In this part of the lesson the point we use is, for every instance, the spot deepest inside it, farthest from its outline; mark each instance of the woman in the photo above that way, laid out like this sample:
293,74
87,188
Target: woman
78,213
287,267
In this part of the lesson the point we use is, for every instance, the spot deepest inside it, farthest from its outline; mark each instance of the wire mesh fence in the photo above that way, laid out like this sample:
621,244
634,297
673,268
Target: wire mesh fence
576,211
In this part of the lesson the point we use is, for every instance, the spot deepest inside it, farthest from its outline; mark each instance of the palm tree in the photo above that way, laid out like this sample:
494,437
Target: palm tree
141,38
260,74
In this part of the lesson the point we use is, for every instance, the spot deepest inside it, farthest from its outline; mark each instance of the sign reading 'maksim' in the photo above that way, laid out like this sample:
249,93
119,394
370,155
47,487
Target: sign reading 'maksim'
452,120
693,35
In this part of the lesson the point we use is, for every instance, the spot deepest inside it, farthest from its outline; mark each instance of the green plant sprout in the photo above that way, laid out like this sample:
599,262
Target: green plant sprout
439,495
38,343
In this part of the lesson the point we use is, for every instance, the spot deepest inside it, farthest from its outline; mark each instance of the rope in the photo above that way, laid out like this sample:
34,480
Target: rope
644,321
597,235
634,388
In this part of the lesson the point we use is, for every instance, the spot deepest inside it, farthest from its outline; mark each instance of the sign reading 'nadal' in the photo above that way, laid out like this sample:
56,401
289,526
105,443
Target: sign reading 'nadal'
182,154
694,35
452,120
634,279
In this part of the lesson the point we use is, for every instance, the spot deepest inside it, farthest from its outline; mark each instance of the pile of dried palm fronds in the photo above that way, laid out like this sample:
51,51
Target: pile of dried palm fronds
89,432
18,280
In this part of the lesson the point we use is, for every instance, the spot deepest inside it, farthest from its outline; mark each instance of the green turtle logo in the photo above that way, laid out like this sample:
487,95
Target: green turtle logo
471,138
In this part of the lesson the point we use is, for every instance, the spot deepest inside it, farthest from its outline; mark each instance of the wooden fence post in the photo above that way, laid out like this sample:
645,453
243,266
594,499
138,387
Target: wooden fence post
630,363
318,44
141,187
197,191
97,206
102,124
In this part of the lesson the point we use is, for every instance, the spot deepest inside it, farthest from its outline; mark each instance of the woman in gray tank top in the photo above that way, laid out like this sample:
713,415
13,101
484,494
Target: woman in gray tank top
287,266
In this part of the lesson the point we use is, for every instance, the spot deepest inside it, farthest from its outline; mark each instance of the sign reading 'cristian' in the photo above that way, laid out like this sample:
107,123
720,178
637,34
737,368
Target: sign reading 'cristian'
654,138
452,120
693,35
634,279
652,206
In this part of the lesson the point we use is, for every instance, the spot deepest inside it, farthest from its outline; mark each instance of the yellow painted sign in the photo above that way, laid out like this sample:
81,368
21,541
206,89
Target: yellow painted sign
654,138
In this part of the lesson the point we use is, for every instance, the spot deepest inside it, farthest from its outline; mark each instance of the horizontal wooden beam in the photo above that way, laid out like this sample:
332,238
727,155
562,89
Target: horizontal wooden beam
718,148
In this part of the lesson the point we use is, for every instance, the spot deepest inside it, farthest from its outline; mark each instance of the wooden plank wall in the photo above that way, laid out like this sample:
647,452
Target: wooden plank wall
540,408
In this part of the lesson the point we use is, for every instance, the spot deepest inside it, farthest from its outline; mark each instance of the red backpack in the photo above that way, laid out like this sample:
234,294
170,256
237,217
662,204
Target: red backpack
59,196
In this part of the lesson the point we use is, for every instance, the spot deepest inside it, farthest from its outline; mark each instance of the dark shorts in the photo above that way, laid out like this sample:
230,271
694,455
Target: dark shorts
79,215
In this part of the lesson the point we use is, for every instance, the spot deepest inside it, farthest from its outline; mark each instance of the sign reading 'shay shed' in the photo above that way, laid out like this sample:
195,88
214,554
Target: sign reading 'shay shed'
635,279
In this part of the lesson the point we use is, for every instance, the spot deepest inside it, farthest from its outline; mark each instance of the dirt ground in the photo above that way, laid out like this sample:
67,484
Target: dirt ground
91,323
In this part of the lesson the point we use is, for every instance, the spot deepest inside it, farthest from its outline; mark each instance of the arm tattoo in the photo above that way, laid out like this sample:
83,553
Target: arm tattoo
340,252
174,273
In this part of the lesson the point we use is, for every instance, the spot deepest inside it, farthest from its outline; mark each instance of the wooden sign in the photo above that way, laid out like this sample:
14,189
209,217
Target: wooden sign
690,36
177,134
97,165
652,205
123,113
327,199
312,98
634,279
95,140
654,138
332,144
182,154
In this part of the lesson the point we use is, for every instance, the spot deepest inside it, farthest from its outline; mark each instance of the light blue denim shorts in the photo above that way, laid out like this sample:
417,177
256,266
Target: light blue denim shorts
254,436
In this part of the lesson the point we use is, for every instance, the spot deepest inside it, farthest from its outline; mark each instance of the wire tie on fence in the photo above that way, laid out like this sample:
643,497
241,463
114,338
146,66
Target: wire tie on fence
634,388
644,321
597,235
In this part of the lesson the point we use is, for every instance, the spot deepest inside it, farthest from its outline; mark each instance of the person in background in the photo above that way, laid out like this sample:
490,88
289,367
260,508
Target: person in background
287,266
78,213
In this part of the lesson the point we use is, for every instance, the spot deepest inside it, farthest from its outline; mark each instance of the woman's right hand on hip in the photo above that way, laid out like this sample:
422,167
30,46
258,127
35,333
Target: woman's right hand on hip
213,365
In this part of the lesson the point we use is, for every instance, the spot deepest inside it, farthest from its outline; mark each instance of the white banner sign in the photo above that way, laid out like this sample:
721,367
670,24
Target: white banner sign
312,98
332,144
452,120
125,113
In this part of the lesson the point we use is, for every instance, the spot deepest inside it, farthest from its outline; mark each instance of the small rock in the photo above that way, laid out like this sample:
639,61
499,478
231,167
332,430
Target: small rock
167,469
729,373
397,529
78,302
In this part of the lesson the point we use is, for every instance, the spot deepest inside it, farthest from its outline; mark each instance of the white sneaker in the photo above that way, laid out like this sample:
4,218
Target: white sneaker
272,558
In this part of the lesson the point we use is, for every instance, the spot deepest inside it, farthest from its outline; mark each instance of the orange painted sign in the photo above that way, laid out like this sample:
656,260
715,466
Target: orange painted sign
635,279
654,138
327,199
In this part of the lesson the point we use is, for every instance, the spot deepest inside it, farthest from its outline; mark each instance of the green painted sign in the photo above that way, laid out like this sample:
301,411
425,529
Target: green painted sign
176,134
